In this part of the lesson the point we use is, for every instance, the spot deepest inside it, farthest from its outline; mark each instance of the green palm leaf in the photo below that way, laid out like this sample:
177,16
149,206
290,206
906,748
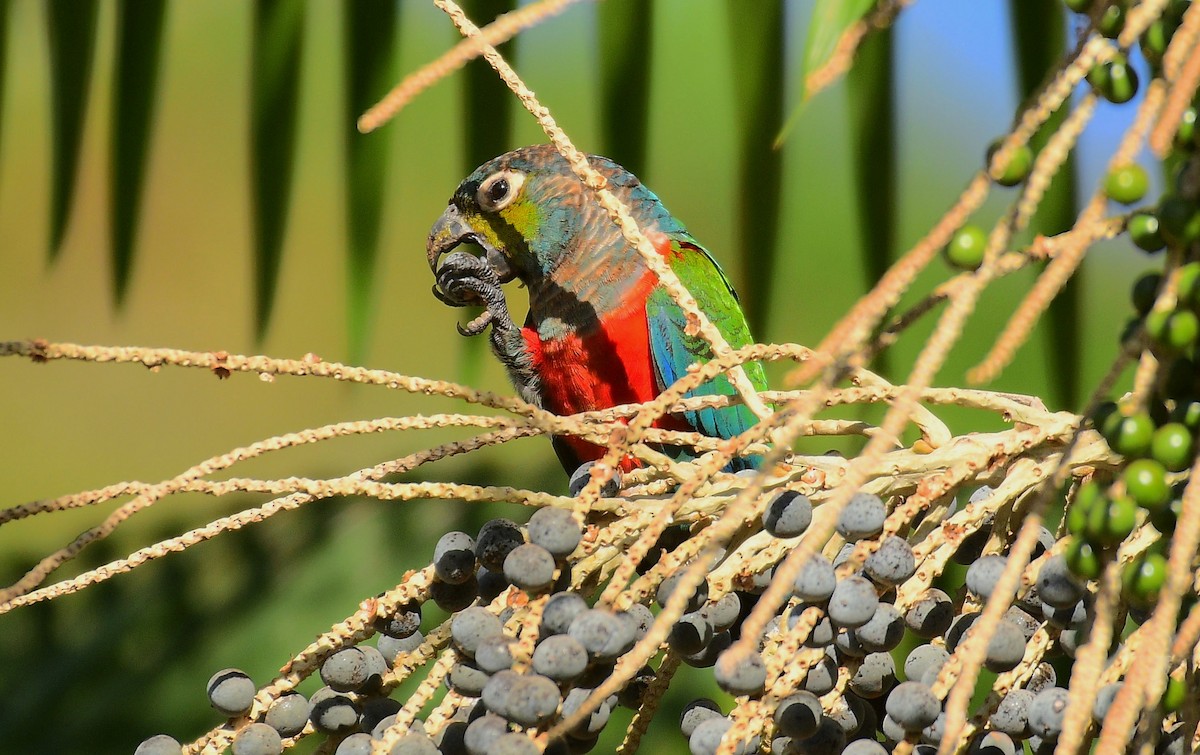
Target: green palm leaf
71,30
829,20
626,38
275,83
873,119
139,43
757,32
369,53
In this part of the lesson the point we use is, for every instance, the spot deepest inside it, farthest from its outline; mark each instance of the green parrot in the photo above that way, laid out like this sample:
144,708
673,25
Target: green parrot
601,330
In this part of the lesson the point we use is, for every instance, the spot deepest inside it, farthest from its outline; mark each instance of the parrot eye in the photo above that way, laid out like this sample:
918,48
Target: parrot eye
499,190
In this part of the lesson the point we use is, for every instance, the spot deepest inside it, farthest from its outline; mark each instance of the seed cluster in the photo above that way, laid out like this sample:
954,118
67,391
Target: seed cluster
870,661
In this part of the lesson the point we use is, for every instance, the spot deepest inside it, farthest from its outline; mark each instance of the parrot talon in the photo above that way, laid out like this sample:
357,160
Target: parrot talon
466,280
477,325
444,299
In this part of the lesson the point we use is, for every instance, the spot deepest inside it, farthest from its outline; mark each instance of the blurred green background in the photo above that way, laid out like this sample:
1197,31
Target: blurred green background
101,670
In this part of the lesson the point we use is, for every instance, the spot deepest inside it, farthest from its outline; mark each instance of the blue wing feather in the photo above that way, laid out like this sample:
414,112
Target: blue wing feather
673,350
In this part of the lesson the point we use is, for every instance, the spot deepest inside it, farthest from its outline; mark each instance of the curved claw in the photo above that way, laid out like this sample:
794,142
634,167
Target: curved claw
476,326
437,293
464,279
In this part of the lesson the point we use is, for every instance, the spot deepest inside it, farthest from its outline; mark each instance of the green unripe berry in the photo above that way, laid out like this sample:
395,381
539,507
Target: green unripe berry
1185,134
1175,330
1115,81
1145,292
1174,694
1144,232
1187,413
1127,184
1082,559
1146,483
1179,220
1156,324
1122,82
1077,519
1172,446
1088,497
1188,289
1016,169
1091,491
1130,435
1111,520
1111,21
966,247
1110,427
1143,578
1079,6
1156,38
1182,329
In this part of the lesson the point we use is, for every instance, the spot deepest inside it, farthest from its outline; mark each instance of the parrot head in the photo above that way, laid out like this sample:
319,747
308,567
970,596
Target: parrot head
529,213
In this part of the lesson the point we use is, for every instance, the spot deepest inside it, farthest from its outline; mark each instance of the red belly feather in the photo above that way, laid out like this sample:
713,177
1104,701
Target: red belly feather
609,366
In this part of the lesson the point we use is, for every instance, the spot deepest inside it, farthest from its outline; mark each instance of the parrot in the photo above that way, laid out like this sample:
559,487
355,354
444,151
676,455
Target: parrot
600,330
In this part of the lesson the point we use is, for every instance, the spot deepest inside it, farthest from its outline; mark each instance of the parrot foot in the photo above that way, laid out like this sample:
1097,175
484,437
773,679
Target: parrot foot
464,280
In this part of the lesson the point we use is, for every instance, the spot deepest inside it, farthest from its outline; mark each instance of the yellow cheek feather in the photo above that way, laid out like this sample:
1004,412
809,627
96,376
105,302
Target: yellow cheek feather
522,217
509,229
489,233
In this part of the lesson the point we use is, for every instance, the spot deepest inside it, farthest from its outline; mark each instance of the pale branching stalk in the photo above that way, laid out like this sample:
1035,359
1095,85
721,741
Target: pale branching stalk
1090,226
504,28
1040,453
1144,684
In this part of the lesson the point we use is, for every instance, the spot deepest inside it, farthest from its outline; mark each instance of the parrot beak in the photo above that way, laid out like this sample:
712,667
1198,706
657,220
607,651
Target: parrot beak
451,230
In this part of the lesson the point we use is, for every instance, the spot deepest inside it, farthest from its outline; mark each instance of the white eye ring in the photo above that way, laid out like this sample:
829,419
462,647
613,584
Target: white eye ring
499,190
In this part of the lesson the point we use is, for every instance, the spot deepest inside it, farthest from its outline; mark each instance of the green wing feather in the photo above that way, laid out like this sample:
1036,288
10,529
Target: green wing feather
673,349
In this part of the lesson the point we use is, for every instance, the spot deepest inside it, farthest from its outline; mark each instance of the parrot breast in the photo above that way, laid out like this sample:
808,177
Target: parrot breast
610,364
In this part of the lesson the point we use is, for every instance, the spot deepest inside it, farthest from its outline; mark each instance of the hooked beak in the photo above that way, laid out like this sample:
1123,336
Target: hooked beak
451,230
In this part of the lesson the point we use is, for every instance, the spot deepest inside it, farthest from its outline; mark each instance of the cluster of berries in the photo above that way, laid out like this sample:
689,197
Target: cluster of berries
869,681
1176,219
